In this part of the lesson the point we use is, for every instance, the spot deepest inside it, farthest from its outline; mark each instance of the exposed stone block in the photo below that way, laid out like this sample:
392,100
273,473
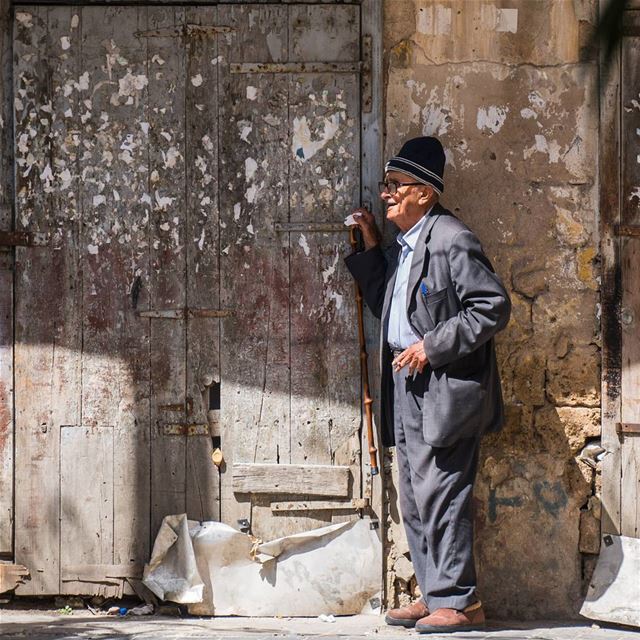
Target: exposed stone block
575,379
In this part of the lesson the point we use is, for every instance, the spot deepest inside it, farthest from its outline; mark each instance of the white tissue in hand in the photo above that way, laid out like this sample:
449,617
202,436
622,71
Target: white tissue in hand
350,220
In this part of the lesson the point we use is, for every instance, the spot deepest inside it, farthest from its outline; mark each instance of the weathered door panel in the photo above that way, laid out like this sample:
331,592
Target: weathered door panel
254,259
48,284
290,154
629,452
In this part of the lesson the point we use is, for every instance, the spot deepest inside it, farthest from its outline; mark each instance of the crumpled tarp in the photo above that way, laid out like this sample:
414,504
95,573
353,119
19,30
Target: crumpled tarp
217,570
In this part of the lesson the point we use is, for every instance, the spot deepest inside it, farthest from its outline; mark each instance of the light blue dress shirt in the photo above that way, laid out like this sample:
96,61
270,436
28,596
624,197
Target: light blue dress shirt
400,333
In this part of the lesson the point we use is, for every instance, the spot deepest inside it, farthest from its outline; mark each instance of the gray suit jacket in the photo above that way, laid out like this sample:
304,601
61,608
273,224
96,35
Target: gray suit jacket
464,307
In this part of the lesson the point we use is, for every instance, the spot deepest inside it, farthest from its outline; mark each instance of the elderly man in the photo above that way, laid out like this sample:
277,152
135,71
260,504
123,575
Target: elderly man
441,304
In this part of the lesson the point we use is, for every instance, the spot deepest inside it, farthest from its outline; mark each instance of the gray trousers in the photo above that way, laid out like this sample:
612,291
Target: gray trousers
436,487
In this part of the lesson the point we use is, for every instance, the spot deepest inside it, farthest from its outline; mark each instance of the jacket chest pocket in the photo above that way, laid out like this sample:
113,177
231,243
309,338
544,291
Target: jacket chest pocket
440,306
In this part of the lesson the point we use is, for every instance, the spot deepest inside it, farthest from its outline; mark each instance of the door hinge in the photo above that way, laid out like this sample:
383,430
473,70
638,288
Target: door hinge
185,429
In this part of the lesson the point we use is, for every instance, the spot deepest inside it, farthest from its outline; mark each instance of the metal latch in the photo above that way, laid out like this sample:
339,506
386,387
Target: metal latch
627,230
627,428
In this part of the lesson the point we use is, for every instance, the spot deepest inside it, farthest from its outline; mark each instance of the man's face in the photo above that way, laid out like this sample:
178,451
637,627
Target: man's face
409,203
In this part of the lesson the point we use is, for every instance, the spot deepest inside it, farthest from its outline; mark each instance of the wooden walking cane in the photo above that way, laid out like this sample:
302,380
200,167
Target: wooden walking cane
364,368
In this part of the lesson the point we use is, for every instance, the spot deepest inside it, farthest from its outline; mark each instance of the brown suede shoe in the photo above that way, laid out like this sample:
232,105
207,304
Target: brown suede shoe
452,620
407,616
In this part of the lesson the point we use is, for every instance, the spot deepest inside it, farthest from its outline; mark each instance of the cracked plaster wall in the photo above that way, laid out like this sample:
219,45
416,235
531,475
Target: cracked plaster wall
511,90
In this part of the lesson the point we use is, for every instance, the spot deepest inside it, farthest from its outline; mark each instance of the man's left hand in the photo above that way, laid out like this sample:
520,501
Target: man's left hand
414,356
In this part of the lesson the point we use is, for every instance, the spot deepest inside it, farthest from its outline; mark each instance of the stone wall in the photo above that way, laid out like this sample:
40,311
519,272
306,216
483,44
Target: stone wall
511,90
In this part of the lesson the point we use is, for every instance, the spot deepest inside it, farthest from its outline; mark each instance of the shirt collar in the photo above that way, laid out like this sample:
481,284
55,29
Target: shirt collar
410,237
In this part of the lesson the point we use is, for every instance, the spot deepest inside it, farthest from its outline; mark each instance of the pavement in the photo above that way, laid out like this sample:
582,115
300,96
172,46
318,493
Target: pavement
52,624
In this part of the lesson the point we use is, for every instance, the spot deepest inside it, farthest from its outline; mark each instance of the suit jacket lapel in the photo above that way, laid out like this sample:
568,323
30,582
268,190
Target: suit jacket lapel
420,254
386,305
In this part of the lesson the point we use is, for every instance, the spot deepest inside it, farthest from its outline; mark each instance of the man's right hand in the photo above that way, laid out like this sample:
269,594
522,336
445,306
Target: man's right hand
367,223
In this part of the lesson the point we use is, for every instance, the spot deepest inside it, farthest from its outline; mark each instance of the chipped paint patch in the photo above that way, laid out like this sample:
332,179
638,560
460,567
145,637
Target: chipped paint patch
250,168
65,43
491,118
434,20
196,80
507,20
302,241
303,146
252,93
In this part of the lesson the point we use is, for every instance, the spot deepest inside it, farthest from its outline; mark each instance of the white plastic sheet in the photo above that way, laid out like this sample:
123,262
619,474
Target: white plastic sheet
216,570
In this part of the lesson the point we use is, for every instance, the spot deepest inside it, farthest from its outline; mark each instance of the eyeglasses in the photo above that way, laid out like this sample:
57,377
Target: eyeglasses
391,186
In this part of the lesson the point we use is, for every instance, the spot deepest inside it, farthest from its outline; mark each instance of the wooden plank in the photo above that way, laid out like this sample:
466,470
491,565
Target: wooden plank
371,167
315,505
6,287
298,479
115,256
254,268
609,180
48,345
202,271
101,572
167,77
630,309
325,183
86,498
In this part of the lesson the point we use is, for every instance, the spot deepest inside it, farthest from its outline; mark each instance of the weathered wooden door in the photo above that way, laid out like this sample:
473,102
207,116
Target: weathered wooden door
181,175
621,289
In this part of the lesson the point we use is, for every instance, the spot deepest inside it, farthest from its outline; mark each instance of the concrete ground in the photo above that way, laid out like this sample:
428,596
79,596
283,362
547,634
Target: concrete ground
50,624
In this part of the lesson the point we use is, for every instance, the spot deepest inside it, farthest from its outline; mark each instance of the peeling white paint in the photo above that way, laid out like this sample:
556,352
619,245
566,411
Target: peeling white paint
65,42
145,128
434,20
24,18
331,269
171,157
542,145
237,209
216,60
92,249
83,82
163,201
250,168
302,241
492,118
98,200
436,120
337,298
250,229
303,146
131,85
252,93
157,59
200,241
206,143
507,20
75,21
196,80
635,193
527,113
245,128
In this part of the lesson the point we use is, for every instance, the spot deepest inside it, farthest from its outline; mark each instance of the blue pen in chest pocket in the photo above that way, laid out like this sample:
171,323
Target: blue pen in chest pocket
423,289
